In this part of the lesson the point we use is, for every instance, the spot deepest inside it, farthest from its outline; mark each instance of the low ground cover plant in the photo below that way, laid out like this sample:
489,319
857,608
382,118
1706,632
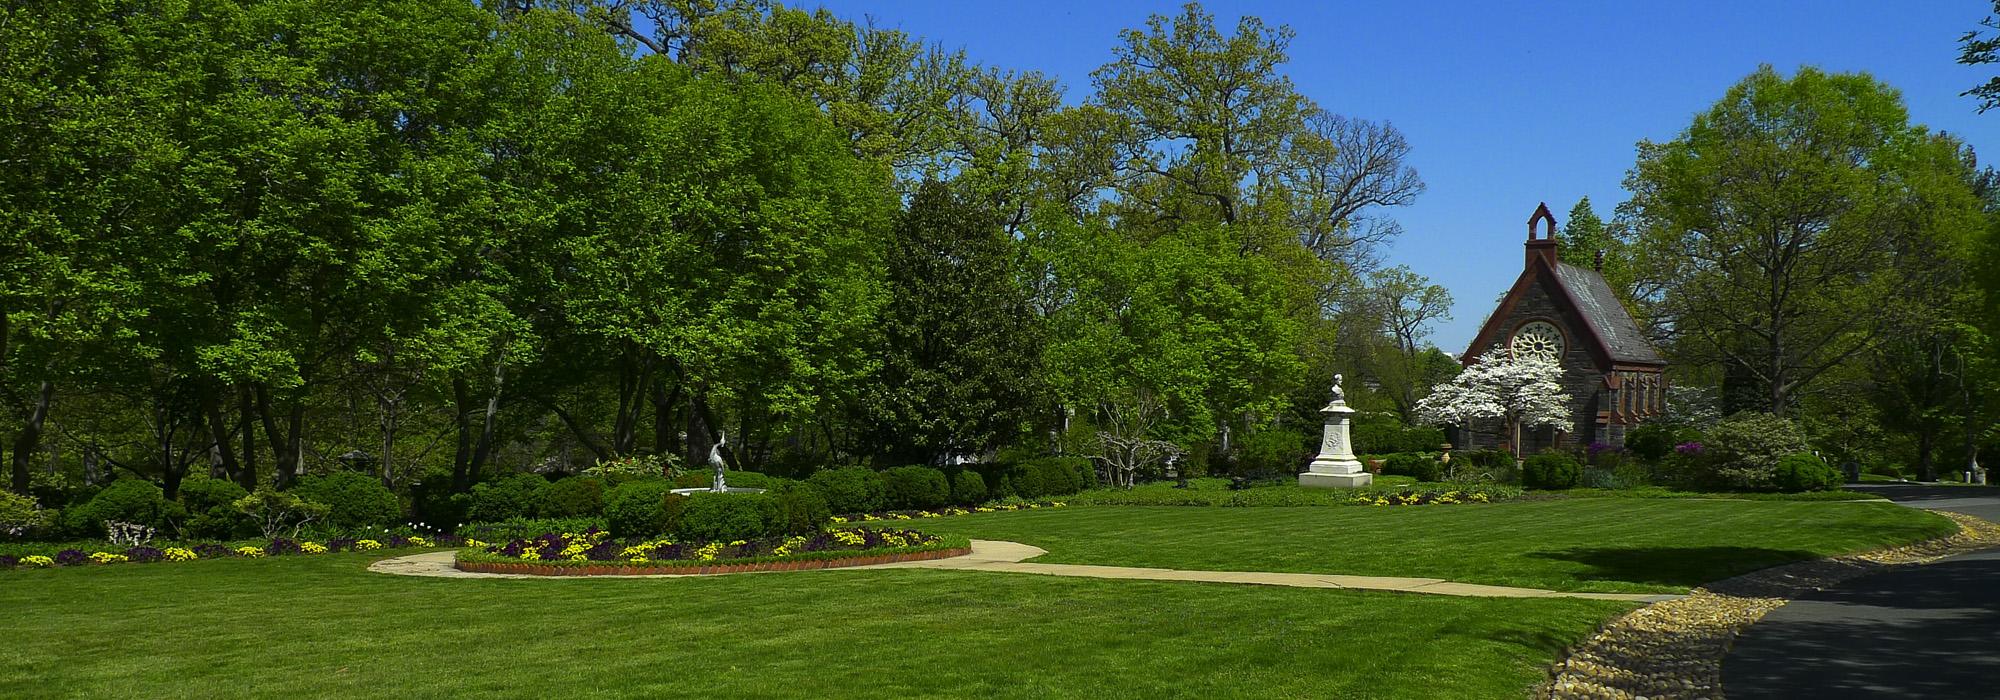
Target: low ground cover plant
90,553
1165,494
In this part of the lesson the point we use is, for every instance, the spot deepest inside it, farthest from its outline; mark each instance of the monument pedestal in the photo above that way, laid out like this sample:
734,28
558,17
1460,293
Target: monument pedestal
1335,467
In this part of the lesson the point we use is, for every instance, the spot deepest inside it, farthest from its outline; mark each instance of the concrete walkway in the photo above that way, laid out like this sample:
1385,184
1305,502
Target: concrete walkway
1010,557
1917,632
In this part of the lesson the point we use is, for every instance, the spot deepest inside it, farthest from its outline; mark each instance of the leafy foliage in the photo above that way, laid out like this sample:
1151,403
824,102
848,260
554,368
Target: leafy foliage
353,499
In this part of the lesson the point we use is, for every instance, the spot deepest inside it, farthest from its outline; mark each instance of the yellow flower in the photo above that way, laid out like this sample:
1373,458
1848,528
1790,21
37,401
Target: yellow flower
312,548
107,558
469,542
37,561
838,520
366,545
179,554
416,541
252,552
530,555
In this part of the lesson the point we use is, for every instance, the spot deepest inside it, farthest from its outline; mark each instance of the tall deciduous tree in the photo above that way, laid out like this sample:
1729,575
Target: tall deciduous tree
1786,209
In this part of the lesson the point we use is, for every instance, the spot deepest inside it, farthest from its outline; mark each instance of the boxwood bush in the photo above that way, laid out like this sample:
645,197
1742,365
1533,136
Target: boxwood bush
638,508
210,507
1805,471
125,500
968,488
849,489
914,487
727,517
1051,476
1424,468
354,499
703,478
574,497
1551,471
505,498
801,511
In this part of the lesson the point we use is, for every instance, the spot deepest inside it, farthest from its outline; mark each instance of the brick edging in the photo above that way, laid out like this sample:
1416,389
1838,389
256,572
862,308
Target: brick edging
613,569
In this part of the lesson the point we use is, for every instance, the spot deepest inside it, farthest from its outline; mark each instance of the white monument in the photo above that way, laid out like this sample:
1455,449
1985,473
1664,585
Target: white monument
1336,466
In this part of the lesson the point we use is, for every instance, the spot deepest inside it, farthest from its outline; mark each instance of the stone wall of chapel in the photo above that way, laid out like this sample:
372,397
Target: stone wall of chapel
1582,379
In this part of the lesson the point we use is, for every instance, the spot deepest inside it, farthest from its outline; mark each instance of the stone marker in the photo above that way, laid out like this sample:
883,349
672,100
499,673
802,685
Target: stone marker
1336,466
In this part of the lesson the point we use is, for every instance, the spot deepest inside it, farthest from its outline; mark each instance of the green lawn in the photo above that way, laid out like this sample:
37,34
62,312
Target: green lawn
1581,544
324,627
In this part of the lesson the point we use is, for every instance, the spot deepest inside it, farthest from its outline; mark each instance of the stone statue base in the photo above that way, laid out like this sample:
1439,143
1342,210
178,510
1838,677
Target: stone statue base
1335,467
1335,481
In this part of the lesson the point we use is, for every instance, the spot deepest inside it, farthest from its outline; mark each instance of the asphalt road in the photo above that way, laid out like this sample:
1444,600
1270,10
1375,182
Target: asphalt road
1922,632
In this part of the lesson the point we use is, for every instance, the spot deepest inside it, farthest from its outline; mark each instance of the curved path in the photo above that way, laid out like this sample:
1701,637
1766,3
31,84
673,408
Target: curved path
1918,632
994,555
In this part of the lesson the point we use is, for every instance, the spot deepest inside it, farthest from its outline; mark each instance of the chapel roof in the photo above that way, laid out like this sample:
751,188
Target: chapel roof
1601,309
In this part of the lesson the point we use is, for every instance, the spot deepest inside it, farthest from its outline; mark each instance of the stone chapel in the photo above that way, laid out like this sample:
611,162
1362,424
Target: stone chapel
1613,376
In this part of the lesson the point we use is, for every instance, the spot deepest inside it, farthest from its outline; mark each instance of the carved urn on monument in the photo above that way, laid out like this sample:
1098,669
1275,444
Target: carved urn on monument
1336,467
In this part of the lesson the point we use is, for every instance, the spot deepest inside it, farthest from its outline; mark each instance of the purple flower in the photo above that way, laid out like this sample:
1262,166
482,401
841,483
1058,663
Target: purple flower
144,554
340,544
282,546
7,561
396,542
210,550
71,557
604,551
1689,448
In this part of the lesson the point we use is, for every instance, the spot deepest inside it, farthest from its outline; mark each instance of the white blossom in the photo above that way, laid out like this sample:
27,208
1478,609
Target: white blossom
1523,391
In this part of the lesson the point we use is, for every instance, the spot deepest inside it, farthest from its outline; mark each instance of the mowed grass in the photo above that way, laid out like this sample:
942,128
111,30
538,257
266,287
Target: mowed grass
1582,544
322,626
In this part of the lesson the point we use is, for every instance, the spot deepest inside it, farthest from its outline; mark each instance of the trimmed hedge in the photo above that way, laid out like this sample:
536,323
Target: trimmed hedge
355,499
1804,471
505,498
915,488
574,497
1051,476
849,489
125,500
1551,471
704,478
211,509
638,508
968,488
727,517
801,511
1423,468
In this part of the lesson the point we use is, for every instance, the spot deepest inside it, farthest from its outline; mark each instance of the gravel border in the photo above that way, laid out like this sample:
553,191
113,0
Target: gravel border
1674,649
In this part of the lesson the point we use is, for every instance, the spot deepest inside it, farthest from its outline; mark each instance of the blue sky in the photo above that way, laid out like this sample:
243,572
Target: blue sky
1507,104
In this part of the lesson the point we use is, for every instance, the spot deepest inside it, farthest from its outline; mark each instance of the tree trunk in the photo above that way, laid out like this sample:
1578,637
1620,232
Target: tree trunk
30,436
461,458
222,451
284,446
484,448
663,415
700,401
1926,469
246,412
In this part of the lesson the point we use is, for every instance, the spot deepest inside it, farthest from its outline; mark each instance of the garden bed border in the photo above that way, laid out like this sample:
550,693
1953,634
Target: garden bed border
616,569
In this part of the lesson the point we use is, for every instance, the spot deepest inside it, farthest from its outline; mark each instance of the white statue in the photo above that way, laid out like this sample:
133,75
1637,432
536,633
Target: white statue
1339,396
715,460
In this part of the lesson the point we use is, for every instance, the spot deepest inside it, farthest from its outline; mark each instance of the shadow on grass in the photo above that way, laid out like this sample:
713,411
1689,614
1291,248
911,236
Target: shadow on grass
1672,566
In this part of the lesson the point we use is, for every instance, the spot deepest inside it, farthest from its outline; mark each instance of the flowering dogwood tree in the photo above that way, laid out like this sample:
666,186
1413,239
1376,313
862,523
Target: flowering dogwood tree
1524,391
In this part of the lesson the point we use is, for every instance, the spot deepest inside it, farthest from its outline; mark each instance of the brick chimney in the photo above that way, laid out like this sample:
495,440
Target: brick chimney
1544,247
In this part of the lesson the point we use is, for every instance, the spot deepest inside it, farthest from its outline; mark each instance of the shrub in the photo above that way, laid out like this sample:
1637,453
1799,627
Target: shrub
801,511
1388,436
505,498
638,508
1744,449
19,514
125,500
1050,476
1551,471
727,517
849,489
1806,472
1654,441
574,497
432,501
211,509
280,512
968,488
1413,465
915,488
1274,451
353,499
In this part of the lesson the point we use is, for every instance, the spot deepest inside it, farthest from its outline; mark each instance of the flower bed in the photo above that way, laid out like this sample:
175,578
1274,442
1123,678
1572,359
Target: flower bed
594,552
190,551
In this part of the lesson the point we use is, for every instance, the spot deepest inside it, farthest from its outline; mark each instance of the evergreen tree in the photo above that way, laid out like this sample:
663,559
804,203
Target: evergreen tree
1583,236
960,348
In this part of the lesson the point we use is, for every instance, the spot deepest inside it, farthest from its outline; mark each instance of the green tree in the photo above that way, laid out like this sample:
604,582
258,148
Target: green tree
1977,48
1785,208
1583,237
960,347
